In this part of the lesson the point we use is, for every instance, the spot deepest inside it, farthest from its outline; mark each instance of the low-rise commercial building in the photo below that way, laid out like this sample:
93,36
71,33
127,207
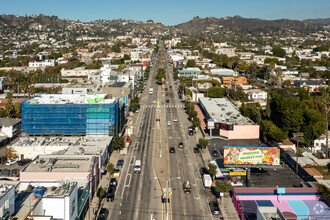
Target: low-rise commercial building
224,119
230,81
7,198
10,127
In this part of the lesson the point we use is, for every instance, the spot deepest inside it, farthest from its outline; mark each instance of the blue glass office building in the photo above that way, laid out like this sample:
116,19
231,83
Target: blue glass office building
70,115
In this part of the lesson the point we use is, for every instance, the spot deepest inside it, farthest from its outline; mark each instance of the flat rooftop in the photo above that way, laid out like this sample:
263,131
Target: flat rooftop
61,163
221,110
71,99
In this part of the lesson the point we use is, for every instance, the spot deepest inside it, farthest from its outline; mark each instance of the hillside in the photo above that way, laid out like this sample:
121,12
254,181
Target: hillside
247,25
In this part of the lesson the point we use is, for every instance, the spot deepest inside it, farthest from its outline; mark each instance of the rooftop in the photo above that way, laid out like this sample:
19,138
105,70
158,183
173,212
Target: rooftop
221,110
6,122
61,163
71,99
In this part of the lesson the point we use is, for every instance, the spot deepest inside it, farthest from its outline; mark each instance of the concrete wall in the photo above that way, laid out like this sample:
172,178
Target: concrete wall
7,202
241,132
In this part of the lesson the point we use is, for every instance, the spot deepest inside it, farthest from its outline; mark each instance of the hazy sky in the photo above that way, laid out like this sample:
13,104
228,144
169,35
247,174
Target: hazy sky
168,12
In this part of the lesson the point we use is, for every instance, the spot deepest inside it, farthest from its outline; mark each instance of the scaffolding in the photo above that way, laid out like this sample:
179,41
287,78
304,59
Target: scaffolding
60,119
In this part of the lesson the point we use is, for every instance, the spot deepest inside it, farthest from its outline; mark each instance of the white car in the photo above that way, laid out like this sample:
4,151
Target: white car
175,119
10,162
169,123
154,101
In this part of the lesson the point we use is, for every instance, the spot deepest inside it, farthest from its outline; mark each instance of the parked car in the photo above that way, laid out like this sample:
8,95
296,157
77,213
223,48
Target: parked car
215,153
103,215
196,150
172,150
215,209
39,192
169,123
120,164
113,182
215,192
154,101
10,162
111,193
180,145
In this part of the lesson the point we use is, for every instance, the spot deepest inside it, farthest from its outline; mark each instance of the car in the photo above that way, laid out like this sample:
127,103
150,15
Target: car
169,123
215,192
157,119
186,187
111,193
120,164
214,207
116,173
154,101
191,133
180,145
215,153
167,101
170,87
137,110
10,162
203,171
196,150
113,182
172,150
166,89
175,119
103,215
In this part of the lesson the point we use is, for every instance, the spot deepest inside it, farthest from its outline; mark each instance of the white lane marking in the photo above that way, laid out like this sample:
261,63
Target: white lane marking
131,163
139,135
136,145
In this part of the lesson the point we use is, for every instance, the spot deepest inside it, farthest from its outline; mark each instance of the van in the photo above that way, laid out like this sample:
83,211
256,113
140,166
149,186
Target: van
207,181
137,166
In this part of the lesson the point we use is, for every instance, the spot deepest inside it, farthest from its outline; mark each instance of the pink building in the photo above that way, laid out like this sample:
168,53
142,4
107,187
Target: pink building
220,117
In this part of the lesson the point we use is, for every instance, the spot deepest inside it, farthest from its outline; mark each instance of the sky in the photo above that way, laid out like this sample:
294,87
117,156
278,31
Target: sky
168,12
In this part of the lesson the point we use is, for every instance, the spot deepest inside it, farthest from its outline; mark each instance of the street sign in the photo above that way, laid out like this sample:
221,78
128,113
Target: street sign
169,193
164,192
210,124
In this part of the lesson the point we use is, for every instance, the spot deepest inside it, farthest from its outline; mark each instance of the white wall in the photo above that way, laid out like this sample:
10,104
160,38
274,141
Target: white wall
7,202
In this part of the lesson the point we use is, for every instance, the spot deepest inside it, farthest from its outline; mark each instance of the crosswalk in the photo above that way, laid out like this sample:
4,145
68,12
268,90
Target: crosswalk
162,106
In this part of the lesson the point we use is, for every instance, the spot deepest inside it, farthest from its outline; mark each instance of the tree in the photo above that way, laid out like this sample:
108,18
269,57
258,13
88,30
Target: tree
116,48
271,131
11,153
324,191
100,192
160,75
17,109
191,63
117,143
110,168
222,186
212,169
196,122
192,114
216,92
203,142
279,52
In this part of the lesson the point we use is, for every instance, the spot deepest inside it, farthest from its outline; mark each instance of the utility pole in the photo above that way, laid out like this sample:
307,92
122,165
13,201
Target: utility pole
297,137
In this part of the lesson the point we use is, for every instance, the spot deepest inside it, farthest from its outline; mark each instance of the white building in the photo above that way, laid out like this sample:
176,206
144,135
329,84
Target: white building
78,72
10,127
7,198
44,63
320,143
224,72
136,54
256,94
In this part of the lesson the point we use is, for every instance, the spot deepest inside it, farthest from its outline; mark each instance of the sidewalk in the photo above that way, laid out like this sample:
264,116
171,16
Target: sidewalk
226,206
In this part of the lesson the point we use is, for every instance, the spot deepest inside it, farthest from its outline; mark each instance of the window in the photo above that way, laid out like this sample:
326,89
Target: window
73,206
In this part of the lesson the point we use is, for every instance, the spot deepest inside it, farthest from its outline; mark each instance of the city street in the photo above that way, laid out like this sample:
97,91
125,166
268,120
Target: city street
139,195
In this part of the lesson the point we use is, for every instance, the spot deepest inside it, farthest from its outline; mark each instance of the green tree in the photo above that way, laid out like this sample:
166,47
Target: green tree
160,75
216,92
222,186
212,169
110,168
203,142
324,191
279,52
271,131
192,113
116,48
196,122
191,63
117,143
100,192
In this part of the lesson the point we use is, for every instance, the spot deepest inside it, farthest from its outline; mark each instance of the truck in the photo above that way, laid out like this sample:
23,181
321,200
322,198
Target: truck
207,181
151,90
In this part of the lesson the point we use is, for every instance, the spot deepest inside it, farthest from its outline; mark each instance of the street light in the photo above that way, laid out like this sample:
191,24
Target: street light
167,183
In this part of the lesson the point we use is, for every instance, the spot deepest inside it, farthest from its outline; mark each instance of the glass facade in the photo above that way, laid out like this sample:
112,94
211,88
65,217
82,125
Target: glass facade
98,118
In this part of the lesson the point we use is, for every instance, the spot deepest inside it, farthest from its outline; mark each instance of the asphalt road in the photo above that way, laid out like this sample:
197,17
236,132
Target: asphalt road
138,195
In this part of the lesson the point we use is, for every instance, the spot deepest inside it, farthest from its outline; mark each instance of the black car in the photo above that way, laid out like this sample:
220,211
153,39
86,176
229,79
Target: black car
196,150
180,145
103,215
191,132
170,87
203,171
215,209
215,192
113,182
111,193
172,150
157,119
215,153
167,101
120,164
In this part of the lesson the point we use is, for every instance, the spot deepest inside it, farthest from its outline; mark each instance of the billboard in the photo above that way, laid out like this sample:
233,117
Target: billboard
241,155
210,124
